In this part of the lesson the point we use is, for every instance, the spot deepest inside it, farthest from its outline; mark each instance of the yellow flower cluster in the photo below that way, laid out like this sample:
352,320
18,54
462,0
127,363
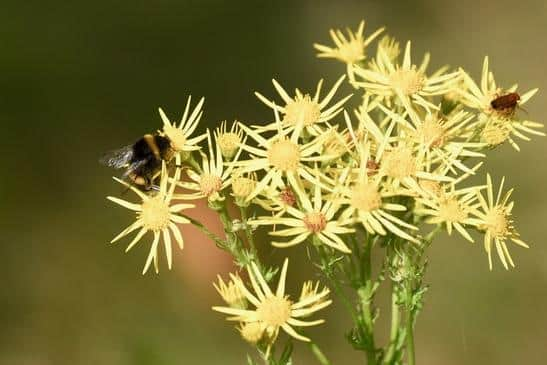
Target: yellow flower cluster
324,168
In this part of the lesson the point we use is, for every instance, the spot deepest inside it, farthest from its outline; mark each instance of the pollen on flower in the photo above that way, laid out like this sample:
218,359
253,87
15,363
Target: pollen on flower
399,163
176,135
155,214
302,110
431,132
496,131
315,222
498,223
284,155
252,332
210,184
407,81
274,311
365,197
451,210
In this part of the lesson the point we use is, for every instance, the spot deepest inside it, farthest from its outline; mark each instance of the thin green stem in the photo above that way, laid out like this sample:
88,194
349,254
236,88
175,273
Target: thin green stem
319,354
248,231
410,356
394,330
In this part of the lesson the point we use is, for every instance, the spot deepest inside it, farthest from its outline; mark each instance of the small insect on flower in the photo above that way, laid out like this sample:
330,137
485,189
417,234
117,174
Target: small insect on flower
506,104
141,160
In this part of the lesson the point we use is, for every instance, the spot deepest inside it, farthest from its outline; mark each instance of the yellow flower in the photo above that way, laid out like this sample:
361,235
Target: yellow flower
303,109
312,219
229,140
180,135
273,310
452,208
440,139
497,125
231,293
349,50
280,156
212,178
406,81
494,219
155,214
365,196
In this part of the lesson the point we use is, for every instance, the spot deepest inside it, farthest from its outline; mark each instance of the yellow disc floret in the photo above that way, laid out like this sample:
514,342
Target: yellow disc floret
315,222
365,197
274,311
284,155
155,214
407,81
302,110
210,184
399,163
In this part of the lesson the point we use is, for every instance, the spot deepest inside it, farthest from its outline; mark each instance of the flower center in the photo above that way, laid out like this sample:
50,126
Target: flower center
407,81
399,163
315,222
431,133
450,210
302,110
228,143
365,197
496,131
274,311
210,184
177,137
287,196
155,214
284,155
497,222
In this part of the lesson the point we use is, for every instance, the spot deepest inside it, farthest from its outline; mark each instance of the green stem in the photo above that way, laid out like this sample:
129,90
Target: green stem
394,330
410,357
248,232
319,354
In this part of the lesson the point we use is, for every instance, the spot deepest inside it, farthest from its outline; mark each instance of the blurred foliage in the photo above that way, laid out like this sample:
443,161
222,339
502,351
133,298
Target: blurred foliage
81,78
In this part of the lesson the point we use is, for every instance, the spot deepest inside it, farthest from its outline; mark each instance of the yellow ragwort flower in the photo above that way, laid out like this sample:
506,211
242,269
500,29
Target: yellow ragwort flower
229,140
155,214
273,310
406,81
230,292
180,135
280,156
497,125
303,109
348,50
212,178
364,196
450,207
315,219
494,219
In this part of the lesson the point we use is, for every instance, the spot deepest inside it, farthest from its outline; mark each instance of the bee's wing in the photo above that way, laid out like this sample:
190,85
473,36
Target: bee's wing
118,158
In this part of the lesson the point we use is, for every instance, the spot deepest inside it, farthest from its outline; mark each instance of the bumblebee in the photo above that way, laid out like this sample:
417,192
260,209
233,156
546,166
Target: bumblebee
142,160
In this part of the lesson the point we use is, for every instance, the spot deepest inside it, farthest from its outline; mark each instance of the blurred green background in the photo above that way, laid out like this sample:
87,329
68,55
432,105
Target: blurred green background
81,78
